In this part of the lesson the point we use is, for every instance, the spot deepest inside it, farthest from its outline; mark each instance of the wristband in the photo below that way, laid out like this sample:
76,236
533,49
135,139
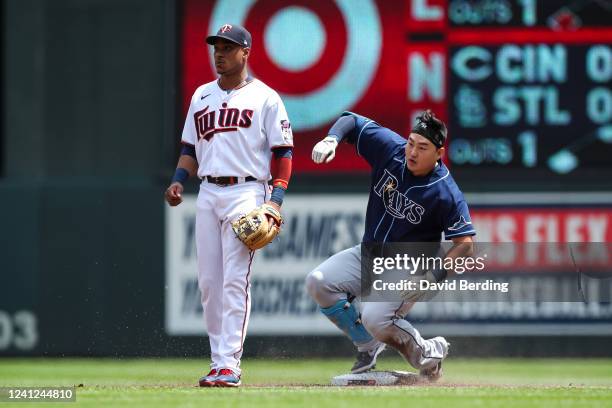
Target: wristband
180,175
278,194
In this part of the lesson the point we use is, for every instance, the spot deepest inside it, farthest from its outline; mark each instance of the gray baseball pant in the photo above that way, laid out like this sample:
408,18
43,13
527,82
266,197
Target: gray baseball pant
340,276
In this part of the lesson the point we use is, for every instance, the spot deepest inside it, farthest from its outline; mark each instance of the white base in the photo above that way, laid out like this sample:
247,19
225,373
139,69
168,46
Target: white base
377,378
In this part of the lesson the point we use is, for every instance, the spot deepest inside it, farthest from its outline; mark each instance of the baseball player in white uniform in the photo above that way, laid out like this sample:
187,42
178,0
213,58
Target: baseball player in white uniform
236,126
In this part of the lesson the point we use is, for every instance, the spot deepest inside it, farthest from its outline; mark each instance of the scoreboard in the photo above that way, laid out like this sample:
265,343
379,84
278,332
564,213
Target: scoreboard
527,107
554,14
530,97
525,86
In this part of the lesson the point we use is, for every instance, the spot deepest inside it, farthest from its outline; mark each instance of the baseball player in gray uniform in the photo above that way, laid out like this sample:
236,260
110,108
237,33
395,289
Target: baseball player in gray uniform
413,198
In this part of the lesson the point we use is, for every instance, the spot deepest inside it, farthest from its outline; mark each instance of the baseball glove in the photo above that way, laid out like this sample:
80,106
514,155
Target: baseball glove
255,230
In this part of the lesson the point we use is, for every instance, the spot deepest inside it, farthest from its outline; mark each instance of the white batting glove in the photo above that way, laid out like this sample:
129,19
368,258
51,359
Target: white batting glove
325,150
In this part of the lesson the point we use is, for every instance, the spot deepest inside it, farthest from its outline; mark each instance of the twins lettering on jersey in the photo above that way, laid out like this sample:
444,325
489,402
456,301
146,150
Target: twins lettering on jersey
397,204
226,119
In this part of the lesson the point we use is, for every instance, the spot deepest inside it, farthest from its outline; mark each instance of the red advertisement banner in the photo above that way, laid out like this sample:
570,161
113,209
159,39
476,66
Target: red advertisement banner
543,225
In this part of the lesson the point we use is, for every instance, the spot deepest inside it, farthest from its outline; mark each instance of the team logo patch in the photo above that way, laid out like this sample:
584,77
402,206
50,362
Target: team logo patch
286,131
459,224
226,28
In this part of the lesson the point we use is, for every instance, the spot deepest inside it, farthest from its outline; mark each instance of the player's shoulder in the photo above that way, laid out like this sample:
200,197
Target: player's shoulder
264,91
262,86
449,190
390,137
361,120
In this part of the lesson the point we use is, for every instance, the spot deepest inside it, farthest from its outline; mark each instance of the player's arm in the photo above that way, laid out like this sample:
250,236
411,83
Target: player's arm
187,167
188,163
458,228
281,173
463,247
280,139
325,150
372,141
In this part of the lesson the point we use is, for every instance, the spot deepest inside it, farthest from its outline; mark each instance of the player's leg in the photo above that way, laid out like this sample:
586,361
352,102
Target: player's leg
333,285
385,320
210,267
237,265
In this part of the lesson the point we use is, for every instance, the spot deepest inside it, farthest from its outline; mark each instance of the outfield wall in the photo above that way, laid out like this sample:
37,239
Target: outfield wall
84,274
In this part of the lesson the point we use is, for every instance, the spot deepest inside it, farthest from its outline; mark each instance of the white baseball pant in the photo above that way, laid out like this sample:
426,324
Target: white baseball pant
224,267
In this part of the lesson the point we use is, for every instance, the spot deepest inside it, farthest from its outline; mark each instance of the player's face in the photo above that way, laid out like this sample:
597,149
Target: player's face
230,58
421,154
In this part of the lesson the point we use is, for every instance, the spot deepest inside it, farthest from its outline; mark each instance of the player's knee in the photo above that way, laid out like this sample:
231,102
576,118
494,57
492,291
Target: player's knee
322,290
315,284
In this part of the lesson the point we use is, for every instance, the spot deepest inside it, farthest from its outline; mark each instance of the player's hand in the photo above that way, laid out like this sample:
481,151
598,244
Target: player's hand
325,150
418,294
174,194
277,208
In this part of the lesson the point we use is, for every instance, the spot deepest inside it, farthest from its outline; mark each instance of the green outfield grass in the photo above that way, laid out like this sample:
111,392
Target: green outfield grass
303,383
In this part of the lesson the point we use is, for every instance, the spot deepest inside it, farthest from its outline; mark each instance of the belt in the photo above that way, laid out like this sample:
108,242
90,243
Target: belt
228,180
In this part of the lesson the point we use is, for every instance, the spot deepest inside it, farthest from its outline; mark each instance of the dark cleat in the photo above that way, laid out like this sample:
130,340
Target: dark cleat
366,360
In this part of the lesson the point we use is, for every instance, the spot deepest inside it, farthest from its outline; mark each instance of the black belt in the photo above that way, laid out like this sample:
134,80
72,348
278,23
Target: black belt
228,180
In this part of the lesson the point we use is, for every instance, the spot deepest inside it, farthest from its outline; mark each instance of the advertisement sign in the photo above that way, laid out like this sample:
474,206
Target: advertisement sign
318,226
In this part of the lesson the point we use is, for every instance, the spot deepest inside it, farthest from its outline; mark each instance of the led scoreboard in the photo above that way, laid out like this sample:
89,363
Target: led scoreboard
529,95
524,85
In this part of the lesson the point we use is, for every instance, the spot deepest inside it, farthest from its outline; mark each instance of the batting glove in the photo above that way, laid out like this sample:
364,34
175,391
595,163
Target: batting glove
325,150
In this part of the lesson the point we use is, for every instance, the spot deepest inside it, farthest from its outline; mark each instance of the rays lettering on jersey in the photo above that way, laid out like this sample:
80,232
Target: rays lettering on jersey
396,203
227,120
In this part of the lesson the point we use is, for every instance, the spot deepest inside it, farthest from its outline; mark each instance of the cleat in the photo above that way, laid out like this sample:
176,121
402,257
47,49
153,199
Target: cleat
209,379
227,378
366,360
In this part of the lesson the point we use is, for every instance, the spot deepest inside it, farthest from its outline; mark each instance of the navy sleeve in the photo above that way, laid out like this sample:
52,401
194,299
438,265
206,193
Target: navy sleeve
189,150
375,143
283,151
342,127
458,222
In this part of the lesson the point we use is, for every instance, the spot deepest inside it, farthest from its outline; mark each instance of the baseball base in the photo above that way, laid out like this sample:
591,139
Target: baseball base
377,378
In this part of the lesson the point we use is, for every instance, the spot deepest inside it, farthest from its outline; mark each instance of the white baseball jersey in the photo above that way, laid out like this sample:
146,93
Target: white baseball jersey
233,133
